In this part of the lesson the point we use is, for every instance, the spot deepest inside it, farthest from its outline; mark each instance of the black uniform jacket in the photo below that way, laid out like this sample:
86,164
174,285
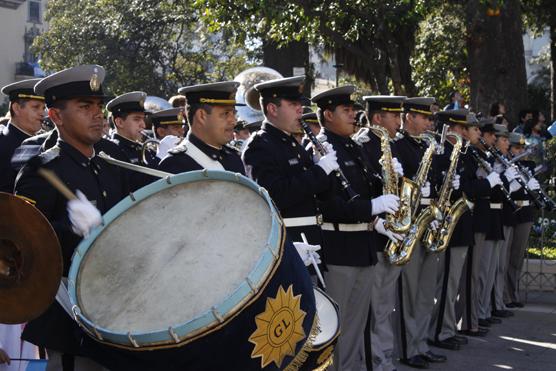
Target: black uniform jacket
133,150
178,161
350,248
277,162
373,152
473,188
104,185
10,138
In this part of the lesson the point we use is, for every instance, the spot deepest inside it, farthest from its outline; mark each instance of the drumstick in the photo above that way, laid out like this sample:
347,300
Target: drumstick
51,177
314,262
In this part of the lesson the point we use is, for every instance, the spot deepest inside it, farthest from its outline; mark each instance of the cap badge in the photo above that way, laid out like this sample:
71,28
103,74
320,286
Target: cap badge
94,83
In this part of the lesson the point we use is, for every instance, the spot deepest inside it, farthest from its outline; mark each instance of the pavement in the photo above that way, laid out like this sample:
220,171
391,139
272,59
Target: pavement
526,341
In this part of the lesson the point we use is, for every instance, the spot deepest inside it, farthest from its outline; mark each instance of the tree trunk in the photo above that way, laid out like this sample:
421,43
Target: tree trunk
496,57
285,58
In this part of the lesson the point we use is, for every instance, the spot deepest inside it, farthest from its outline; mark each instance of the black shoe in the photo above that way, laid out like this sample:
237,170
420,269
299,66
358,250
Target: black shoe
502,313
481,332
449,344
434,358
493,320
515,304
484,323
415,362
462,340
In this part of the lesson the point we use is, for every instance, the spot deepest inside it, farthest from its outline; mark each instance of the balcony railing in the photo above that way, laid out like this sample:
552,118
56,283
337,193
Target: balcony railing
12,4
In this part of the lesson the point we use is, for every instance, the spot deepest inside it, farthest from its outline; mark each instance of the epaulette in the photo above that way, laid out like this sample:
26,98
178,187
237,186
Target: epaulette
182,148
50,154
232,148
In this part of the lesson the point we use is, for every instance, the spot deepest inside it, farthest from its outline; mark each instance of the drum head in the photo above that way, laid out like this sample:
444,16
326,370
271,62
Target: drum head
328,318
172,256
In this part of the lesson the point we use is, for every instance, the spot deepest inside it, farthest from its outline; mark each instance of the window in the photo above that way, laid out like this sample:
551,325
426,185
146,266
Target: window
35,11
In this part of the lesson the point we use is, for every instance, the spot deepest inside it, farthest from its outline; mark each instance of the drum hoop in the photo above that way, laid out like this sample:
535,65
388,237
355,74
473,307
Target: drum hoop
338,330
270,260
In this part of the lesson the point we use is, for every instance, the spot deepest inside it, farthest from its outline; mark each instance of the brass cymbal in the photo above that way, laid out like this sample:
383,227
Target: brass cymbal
30,261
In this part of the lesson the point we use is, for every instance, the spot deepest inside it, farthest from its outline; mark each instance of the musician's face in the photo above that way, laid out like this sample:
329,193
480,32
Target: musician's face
79,120
286,116
165,130
502,144
391,121
417,123
131,126
472,134
517,149
341,120
219,125
29,114
489,138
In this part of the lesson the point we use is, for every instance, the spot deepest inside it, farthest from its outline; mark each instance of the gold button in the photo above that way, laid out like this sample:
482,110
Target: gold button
104,193
293,144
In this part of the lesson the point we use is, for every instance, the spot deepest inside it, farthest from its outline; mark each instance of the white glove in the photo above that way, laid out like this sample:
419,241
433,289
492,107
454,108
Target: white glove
533,184
362,138
510,173
397,166
498,167
481,173
83,215
316,155
329,162
434,225
385,204
379,227
166,144
455,182
514,186
426,190
305,251
494,179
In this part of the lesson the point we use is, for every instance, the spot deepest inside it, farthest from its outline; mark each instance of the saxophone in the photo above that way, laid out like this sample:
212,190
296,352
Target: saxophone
437,241
399,253
400,222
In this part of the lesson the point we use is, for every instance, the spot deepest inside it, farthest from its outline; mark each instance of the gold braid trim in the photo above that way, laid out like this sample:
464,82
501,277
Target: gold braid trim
391,109
170,122
464,122
28,96
424,112
325,364
217,101
303,354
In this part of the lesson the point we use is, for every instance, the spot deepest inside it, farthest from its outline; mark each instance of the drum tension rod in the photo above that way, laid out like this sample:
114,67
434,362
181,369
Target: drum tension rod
173,334
217,315
132,340
251,285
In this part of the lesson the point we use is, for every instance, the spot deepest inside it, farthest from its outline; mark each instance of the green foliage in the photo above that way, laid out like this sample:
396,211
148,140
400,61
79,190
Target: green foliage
547,252
440,58
155,46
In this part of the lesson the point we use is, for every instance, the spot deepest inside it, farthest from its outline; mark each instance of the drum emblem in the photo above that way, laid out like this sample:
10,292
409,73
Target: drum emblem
279,328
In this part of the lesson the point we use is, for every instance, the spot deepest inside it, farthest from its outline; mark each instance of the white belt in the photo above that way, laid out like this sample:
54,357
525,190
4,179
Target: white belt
426,201
495,206
302,221
340,227
522,203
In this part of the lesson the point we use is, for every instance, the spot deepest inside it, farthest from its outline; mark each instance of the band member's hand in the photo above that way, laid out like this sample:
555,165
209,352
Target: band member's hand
379,227
316,156
166,144
514,186
305,251
426,190
498,167
362,139
4,358
494,179
455,182
510,173
83,215
385,204
434,225
329,162
397,166
533,184
481,173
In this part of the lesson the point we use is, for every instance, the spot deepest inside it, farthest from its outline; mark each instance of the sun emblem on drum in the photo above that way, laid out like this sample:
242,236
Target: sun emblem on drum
279,328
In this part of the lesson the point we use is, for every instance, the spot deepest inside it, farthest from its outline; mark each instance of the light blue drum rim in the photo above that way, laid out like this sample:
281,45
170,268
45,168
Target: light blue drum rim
230,306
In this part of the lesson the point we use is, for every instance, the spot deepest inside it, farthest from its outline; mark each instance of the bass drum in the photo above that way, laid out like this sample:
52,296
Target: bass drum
193,272
321,353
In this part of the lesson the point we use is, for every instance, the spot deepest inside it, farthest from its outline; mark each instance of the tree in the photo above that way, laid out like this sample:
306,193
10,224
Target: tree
154,46
372,39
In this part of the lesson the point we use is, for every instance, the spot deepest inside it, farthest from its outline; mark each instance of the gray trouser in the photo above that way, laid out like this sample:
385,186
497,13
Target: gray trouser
418,287
469,285
350,287
80,363
517,254
383,301
444,323
489,263
503,259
